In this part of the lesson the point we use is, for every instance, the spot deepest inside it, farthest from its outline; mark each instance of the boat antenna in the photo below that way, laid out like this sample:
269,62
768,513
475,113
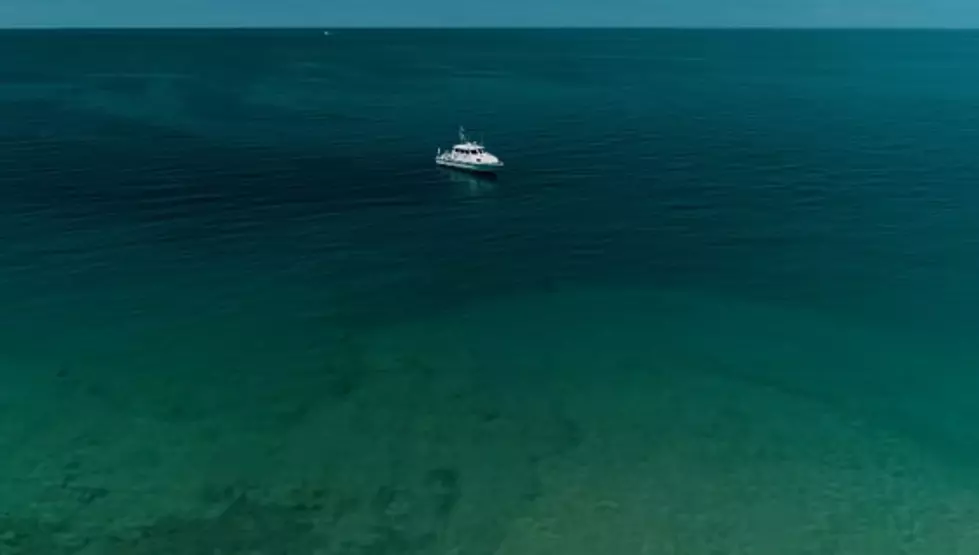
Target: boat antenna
462,134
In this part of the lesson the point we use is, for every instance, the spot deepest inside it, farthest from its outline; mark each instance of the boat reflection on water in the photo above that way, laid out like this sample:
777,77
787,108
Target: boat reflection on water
470,184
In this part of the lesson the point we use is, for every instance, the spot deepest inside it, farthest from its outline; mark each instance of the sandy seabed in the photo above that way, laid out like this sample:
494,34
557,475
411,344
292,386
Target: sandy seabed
584,422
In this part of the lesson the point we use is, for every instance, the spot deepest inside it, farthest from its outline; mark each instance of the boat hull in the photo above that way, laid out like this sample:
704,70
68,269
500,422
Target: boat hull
465,166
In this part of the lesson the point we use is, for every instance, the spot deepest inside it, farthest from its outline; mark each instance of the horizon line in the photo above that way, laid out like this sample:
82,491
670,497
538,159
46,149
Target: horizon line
482,27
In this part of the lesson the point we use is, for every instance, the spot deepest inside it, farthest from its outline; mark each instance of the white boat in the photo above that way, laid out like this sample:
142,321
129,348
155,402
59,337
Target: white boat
468,155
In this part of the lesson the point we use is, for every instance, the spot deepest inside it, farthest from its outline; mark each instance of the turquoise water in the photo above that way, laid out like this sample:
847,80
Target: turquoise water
723,296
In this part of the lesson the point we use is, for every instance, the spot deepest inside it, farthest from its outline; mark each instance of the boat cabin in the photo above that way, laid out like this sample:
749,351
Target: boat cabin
469,149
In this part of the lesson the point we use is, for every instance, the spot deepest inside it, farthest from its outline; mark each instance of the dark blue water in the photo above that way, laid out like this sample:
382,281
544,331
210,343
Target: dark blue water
216,201
827,168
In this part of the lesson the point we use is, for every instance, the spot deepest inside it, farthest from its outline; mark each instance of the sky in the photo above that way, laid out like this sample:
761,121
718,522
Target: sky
454,13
